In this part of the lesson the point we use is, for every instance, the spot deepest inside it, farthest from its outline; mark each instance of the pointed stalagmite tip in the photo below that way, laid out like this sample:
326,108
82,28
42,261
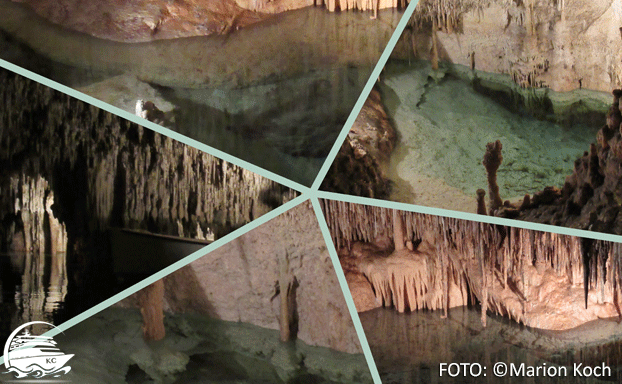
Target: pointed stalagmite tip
492,161
481,202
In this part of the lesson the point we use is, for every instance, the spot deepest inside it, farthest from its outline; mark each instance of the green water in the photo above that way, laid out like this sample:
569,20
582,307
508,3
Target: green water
410,348
275,94
109,347
444,125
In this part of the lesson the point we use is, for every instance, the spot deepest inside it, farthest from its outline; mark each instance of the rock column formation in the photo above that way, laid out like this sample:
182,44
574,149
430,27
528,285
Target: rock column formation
248,281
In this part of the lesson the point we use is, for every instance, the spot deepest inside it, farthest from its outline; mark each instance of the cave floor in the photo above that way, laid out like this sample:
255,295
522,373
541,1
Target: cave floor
443,126
109,347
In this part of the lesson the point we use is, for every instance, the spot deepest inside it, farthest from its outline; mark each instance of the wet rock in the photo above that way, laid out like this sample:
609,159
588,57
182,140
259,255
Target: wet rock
589,192
239,282
357,168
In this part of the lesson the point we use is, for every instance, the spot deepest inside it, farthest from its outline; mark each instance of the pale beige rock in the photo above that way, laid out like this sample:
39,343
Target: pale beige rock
536,279
238,282
564,46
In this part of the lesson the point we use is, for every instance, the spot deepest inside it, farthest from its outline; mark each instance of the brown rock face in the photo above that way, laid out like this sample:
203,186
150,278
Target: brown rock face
591,196
357,168
146,20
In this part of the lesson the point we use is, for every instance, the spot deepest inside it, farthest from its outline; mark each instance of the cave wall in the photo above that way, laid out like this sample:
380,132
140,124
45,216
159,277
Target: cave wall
563,45
541,279
72,171
239,282
590,197
357,168
54,146
158,19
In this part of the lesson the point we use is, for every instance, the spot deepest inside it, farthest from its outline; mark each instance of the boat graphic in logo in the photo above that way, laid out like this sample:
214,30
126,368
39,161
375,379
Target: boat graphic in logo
27,355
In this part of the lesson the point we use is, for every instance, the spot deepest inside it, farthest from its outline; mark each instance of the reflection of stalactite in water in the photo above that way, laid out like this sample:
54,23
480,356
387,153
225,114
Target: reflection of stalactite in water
43,286
503,267
363,5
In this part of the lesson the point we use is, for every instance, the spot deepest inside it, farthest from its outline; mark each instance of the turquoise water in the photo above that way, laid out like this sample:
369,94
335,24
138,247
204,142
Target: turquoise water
444,124
109,347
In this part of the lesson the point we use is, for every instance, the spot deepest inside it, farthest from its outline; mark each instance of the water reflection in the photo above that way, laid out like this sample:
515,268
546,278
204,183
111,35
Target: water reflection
409,348
34,286
275,94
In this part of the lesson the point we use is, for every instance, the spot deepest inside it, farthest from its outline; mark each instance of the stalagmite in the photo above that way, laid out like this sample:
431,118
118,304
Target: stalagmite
481,202
151,308
492,161
286,282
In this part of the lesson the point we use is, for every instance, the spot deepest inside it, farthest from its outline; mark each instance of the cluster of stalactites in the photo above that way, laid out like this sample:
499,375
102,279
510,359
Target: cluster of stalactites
445,14
504,252
33,200
363,5
416,283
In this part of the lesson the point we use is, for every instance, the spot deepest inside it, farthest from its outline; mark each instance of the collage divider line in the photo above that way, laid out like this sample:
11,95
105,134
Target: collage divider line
313,194
153,126
365,93
174,267
358,327
471,216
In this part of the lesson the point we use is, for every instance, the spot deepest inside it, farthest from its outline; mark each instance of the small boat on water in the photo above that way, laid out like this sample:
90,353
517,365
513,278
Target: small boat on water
29,353
139,253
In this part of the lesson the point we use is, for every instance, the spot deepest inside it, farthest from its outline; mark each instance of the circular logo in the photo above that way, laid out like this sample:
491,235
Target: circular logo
28,355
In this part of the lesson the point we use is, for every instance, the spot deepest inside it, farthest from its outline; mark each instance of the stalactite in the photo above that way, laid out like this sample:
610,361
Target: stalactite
482,262
494,262
398,231
434,46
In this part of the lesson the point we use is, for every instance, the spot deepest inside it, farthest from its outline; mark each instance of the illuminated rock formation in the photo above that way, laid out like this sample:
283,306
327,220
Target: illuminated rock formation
72,171
357,168
547,43
590,198
158,19
130,176
535,278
